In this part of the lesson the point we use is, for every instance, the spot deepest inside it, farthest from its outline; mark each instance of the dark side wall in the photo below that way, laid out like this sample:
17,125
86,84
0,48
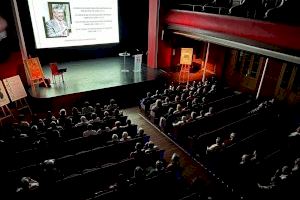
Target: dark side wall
11,62
235,79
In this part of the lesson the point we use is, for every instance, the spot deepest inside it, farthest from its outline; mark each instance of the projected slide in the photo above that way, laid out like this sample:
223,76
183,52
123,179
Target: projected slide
61,23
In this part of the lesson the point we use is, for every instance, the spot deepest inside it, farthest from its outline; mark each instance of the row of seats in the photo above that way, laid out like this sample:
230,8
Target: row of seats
271,10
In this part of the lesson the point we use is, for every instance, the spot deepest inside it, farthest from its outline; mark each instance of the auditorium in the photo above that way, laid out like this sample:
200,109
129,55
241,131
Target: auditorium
149,99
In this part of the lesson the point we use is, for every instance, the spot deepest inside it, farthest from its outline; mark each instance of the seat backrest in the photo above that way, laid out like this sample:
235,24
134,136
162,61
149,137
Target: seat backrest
54,68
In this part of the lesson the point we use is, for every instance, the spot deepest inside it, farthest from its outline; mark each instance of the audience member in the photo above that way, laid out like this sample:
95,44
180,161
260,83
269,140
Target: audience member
49,175
49,118
117,126
158,170
193,116
112,105
117,113
157,108
140,132
201,114
125,137
41,125
180,122
90,131
216,147
94,119
166,102
62,117
83,122
174,166
87,109
122,184
230,140
138,154
178,109
27,184
138,175
106,116
210,112
98,110
114,138
75,115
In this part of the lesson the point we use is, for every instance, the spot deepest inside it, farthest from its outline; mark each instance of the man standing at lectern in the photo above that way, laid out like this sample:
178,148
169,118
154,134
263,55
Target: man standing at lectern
57,26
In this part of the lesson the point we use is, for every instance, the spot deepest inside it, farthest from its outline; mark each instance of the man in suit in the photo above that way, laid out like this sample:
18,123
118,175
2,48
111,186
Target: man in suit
57,26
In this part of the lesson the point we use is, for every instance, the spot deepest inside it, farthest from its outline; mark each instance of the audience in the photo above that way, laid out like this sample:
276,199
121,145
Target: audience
60,128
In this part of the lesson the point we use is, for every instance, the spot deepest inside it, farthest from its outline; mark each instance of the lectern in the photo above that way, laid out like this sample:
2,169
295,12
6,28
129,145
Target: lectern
138,62
124,55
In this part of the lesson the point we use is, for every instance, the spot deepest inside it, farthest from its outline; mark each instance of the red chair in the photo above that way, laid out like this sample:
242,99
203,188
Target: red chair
56,72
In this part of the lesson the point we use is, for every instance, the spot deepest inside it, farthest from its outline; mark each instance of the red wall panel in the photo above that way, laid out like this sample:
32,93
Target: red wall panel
13,66
280,35
164,55
152,32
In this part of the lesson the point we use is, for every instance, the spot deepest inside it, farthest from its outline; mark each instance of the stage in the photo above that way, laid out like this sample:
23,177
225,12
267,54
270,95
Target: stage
89,75
96,80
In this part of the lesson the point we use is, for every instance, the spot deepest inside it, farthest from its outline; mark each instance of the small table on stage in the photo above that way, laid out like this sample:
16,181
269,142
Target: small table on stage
124,55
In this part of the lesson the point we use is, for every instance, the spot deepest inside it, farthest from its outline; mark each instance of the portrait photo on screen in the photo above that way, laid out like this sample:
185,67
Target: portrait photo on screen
59,23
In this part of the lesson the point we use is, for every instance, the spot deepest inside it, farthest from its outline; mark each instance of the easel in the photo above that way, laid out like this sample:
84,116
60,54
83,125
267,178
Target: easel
6,113
4,101
186,58
35,72
16,92
22,104
184,74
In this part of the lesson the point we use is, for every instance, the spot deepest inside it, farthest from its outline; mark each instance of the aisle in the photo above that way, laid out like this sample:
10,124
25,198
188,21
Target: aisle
192,168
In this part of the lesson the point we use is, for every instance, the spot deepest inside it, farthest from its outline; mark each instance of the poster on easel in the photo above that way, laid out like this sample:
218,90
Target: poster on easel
15,88
186,56
34,68
4,100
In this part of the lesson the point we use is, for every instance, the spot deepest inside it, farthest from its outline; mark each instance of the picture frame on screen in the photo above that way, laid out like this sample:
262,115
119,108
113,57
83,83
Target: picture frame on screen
60,20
